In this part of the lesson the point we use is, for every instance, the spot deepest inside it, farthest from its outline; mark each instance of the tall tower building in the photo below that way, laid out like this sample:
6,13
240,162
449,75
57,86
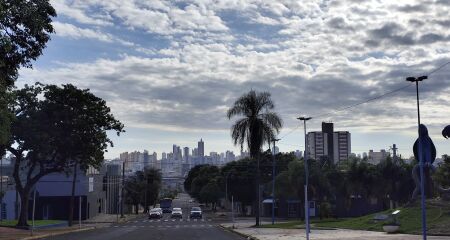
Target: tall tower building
186,154
201,148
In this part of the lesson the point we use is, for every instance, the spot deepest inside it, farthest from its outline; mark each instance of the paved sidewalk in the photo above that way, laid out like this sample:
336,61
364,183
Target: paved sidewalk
339,234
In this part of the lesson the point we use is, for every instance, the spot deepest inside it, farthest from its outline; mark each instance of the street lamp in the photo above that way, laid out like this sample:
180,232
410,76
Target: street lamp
421,160
273,180
304,119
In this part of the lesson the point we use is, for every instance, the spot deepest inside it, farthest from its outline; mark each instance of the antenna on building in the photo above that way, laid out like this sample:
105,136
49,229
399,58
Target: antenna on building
394,151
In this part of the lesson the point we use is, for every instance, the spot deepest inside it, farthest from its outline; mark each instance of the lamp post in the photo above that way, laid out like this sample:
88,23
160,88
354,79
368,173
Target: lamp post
273,179
304,119
421,160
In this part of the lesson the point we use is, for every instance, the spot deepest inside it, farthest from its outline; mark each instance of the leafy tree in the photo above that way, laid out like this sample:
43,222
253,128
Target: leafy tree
206,174
152,185
143,188
210,193
442,175
257,126
193,173
133,187
25,26
54,130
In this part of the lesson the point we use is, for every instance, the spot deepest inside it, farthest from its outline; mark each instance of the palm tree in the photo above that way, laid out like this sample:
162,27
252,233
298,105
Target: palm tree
257,126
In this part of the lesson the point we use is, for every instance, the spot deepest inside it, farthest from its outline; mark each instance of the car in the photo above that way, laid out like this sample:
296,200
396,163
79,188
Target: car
196,212
177,213
155,213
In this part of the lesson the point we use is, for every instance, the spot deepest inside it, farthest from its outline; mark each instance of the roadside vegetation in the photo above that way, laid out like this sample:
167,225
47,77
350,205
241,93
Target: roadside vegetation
438,220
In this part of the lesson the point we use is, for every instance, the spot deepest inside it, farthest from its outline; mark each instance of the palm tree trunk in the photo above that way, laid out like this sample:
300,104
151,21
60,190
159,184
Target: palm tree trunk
257,192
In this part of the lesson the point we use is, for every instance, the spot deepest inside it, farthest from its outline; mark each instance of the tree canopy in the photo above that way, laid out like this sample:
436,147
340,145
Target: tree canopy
53,129
25,28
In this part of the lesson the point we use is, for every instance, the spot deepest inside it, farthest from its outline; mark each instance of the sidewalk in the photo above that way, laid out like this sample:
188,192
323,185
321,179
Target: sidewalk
245,229
99,221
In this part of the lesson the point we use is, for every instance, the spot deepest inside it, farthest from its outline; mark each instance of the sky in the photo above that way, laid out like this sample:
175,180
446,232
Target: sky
169,70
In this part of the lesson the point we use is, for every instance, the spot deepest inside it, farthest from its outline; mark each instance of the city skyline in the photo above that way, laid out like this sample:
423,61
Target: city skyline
170,70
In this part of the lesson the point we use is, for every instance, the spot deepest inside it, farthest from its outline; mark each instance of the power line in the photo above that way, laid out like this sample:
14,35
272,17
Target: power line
366,101
438,68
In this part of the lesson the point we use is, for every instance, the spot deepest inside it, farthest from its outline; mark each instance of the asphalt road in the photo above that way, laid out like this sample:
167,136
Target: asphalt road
159,229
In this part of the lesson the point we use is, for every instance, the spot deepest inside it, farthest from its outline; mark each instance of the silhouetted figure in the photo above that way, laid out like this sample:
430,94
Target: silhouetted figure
428,157
446,132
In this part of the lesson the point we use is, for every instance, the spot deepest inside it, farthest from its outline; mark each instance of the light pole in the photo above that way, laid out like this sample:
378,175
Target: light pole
273,180
1,187
304,119
122,200
421,160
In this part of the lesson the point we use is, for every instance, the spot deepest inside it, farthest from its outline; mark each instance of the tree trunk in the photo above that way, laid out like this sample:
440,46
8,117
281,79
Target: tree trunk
136,209
23,216
257,194
72,197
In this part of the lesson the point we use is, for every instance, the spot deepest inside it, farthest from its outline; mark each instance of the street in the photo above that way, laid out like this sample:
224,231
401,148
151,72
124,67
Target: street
159,229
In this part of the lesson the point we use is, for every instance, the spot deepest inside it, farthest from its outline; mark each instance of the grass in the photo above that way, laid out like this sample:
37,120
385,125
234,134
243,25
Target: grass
12,223
438,221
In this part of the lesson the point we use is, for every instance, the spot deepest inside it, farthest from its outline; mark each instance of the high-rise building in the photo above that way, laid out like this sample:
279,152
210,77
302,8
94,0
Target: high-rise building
341,146
195,152
201,148
186,155
163,155
335,146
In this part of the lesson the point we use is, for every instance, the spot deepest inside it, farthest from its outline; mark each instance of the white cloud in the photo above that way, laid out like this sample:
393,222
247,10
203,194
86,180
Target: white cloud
74,32
313,56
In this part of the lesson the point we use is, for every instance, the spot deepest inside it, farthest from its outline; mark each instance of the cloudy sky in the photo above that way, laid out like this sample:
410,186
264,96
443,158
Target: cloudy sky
169,70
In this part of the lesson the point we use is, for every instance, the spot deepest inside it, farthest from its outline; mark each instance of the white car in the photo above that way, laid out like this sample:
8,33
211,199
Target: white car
196,212
155,213
177,213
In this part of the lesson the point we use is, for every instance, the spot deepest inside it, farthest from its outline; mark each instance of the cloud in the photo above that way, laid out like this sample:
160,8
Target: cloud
194,58
74,32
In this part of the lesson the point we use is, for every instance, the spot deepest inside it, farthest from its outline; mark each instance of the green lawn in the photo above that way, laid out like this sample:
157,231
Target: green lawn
438,221
11,223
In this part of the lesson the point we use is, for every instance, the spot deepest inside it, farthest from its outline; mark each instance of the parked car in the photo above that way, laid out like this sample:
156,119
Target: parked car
155,213
177,213
196,212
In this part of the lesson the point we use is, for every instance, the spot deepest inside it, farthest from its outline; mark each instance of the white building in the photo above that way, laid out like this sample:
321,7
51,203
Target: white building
377,157
326,143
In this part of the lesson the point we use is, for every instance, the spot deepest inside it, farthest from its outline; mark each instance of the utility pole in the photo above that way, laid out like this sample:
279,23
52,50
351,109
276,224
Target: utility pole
273,180
304,119
1,188
394,150
421,160
122,192
79,211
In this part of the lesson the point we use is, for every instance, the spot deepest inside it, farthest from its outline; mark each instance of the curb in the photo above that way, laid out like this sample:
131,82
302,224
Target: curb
57,233
249,237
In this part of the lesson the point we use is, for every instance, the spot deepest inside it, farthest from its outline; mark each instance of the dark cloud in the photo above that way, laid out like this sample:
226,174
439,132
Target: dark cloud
413,8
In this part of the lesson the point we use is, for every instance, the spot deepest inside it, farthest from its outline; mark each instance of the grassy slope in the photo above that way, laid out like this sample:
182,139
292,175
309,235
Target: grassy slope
11,223
438,221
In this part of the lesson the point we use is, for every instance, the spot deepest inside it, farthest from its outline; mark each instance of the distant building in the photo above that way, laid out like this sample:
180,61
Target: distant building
201,148
377,157
335,146
186,155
